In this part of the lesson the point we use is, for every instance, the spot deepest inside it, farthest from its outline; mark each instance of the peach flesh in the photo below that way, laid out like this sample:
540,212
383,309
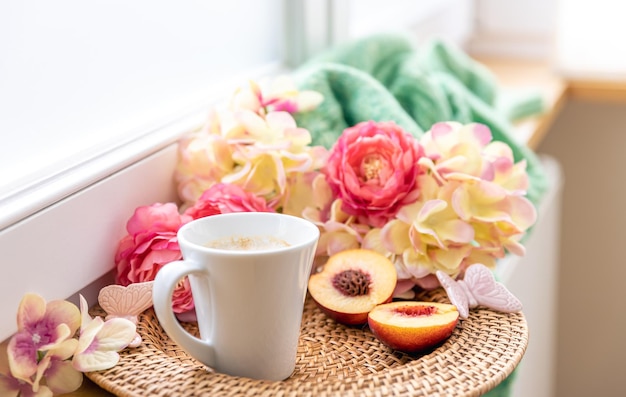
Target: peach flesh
413,326
351,284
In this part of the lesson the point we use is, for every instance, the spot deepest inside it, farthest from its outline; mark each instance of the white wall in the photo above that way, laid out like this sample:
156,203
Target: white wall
589,140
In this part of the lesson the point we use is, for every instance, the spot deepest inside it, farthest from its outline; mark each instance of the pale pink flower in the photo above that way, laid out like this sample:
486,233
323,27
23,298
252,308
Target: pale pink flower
56,367
283,95
204,158
100,341
252,142
151,243
472,207
41,326
488,202
267,152
434,222
299,193
224,198
508,174
338,230
247,97
458,148
373,169
279,94
10,386
464,152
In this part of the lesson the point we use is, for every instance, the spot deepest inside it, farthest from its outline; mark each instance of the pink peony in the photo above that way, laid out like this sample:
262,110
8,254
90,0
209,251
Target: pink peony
373,169
223,198
150,244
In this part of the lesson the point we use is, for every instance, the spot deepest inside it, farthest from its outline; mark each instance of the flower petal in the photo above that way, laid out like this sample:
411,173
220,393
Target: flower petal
373,241
395,236
115,334
57,337
22,355
523,212
279,121
8,386
88,335
95,361
63,312
335,242
100,341
84,313
62,377
417,265
308,100
64,350
450,260
31,310
253,123
403,286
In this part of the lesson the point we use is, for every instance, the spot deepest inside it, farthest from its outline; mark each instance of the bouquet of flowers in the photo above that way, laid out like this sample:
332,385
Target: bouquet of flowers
444,201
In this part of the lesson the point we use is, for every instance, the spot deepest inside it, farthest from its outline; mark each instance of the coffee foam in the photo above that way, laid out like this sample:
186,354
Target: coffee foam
247,243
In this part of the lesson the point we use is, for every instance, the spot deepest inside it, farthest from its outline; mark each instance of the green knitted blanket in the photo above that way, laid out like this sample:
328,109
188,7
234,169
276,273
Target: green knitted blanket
387,78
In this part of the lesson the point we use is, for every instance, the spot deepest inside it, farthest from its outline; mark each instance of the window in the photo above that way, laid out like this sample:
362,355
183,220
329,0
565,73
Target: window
92,97
80,79
450,19
595,50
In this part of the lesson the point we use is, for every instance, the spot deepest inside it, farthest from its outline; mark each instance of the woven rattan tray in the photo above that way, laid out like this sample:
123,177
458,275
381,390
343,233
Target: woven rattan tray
334,360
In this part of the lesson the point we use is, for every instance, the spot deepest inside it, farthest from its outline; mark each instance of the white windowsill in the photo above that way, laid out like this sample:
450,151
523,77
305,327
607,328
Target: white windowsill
50,189
68,245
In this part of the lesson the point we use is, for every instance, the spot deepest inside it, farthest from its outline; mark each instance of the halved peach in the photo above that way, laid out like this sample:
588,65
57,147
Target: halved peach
352,283
413,326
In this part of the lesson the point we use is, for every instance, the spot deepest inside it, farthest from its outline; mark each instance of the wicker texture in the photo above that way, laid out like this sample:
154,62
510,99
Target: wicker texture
334,360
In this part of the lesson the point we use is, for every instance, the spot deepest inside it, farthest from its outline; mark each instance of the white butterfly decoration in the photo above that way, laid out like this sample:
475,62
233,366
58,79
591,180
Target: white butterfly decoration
126,302
478,288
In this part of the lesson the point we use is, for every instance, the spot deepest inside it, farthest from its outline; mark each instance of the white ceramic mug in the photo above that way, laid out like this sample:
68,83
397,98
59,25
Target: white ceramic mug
248,302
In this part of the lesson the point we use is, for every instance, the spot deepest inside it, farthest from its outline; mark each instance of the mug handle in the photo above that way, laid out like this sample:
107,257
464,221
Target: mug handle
164,284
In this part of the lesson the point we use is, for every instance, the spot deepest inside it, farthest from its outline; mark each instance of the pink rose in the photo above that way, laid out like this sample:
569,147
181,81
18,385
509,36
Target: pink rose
224,198
373,169
150,244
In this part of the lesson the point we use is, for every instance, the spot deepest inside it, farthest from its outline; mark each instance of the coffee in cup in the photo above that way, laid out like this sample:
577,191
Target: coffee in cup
246,243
